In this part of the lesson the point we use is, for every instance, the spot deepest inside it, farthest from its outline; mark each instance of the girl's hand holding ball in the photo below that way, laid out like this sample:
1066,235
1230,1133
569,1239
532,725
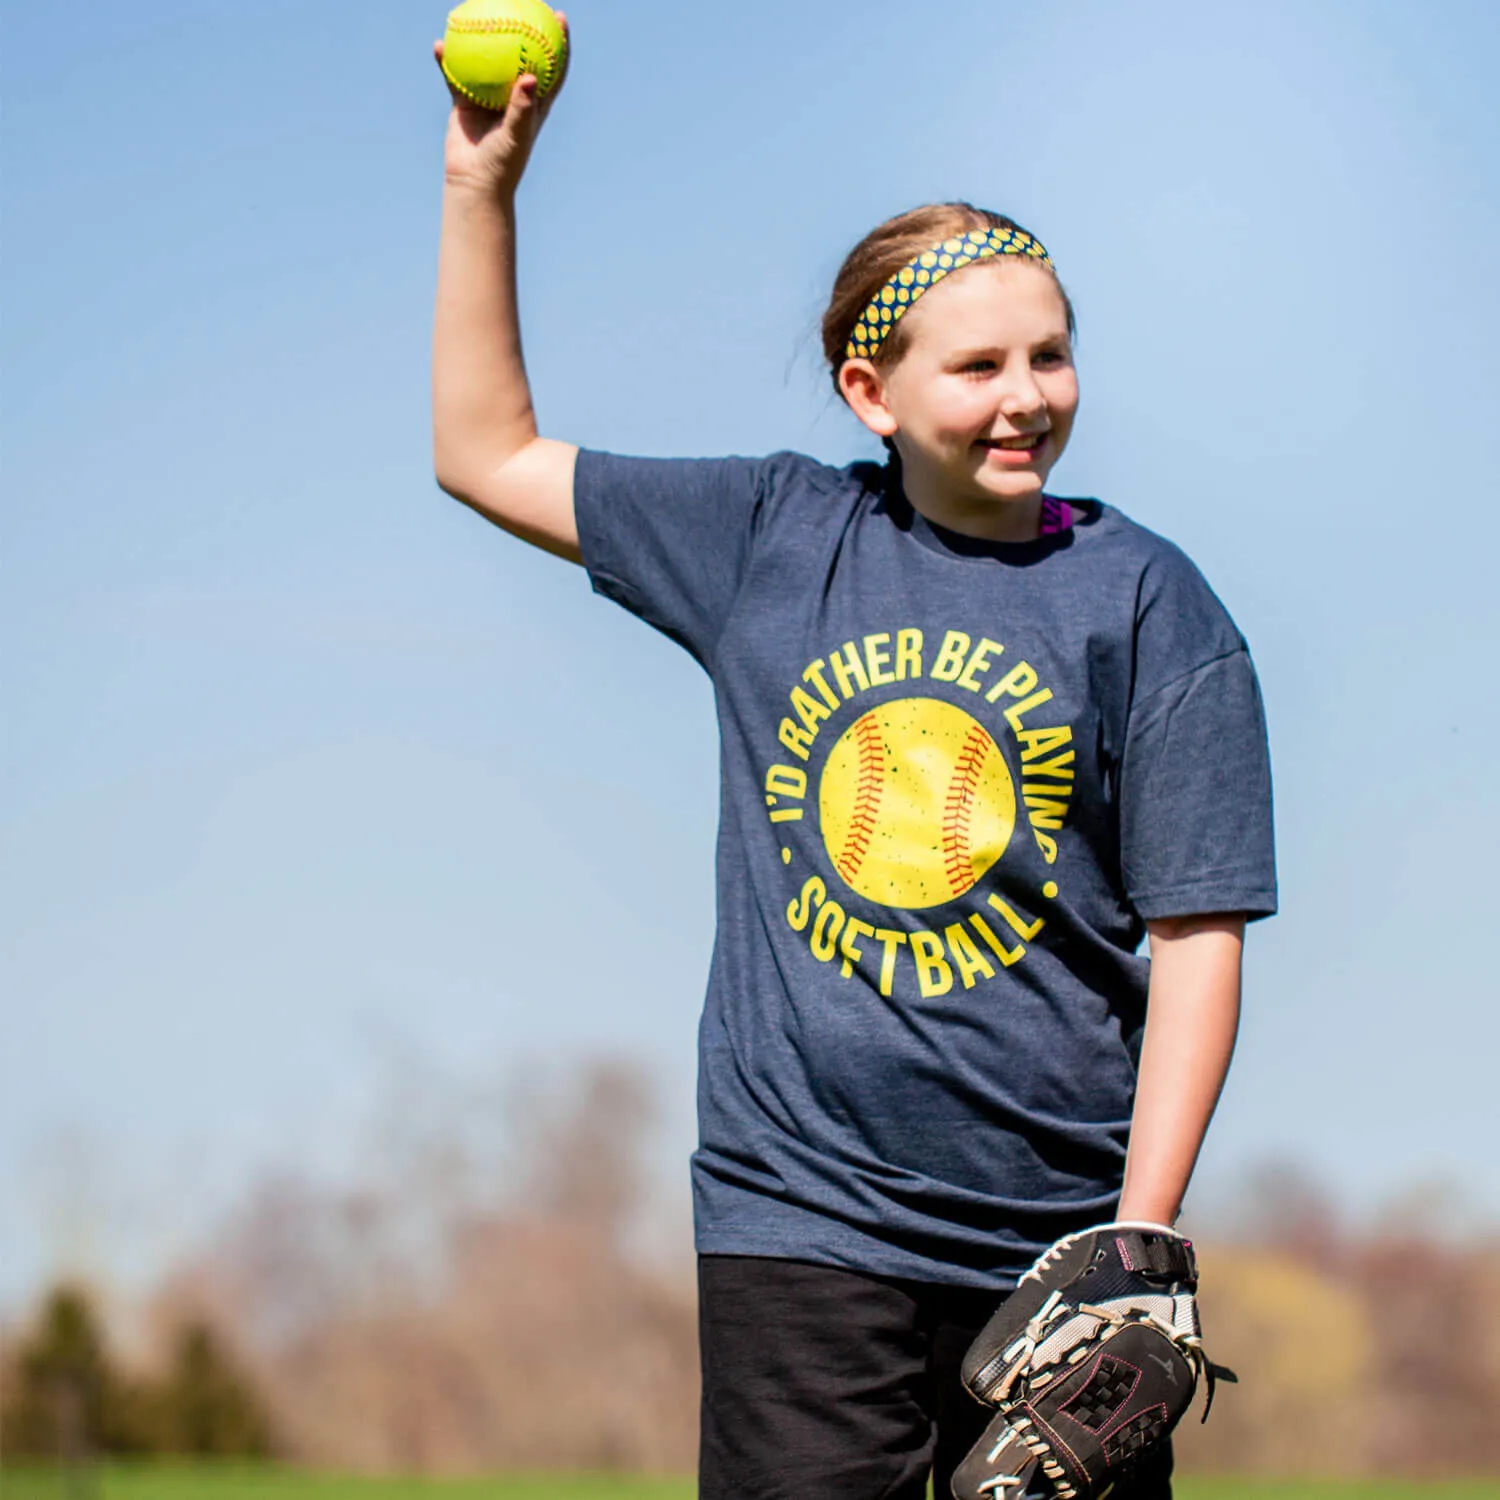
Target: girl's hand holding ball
504,61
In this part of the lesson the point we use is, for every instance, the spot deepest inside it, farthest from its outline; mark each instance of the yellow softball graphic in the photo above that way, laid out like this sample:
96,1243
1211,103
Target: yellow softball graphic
491,43
916,803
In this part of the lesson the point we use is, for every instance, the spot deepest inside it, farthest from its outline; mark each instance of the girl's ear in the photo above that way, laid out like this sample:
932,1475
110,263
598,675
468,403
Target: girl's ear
860,384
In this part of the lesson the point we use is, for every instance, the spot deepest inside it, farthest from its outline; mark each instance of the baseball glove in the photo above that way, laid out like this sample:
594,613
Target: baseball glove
1091,1360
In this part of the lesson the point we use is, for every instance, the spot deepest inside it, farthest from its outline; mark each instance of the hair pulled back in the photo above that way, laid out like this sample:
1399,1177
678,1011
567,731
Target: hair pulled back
881,254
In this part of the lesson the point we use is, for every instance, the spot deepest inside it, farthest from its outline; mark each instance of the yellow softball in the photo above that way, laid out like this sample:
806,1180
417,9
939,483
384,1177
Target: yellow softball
491,43
916,803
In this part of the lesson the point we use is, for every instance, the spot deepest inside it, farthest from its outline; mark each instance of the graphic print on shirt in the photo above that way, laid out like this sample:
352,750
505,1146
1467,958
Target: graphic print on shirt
916,803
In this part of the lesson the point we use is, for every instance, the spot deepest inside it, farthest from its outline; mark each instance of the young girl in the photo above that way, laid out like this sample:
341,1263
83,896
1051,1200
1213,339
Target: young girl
976,743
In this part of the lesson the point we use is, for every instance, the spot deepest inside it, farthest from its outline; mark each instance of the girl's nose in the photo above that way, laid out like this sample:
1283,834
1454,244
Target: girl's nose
1022,396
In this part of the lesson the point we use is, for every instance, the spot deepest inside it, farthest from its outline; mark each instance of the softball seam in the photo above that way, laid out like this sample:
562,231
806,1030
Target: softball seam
508,23
958,848
867,793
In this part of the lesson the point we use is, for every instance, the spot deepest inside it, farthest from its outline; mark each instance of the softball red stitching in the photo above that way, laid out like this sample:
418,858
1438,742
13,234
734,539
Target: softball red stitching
958,811
867,792
474,26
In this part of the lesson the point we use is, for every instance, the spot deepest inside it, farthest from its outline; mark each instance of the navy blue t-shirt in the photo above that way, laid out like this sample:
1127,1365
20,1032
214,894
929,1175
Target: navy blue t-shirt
956,778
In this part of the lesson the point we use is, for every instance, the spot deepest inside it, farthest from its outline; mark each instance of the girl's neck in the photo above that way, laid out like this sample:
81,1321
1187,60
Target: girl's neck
989,520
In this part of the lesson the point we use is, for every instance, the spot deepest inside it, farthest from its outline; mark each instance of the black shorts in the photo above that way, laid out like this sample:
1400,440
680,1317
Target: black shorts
822,1384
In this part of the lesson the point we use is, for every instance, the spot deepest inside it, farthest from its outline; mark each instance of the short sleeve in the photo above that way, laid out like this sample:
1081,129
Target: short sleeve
1196,827
669,539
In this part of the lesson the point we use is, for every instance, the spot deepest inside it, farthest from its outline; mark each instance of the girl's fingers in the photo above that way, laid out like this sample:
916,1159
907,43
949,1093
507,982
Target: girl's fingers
518,127
522,100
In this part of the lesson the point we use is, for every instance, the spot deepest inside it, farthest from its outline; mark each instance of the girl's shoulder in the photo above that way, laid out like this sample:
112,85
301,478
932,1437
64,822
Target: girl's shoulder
1128,540
1179,619
801,492
1123,543
788,474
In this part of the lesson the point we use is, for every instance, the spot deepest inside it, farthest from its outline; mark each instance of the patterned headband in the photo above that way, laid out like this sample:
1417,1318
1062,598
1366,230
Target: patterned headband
929,268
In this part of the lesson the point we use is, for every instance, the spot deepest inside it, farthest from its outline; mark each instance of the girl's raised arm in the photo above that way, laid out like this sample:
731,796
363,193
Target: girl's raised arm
486,450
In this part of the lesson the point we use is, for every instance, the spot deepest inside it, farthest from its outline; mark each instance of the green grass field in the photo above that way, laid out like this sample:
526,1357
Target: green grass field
163,1482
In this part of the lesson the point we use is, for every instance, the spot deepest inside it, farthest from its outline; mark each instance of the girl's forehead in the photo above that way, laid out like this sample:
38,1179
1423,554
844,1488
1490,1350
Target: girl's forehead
1006,297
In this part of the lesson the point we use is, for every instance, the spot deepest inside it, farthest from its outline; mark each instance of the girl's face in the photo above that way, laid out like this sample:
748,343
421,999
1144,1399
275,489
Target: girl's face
981,403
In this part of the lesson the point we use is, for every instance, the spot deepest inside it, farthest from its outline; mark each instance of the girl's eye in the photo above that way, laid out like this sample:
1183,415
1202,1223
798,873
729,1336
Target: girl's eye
1049,359
979,367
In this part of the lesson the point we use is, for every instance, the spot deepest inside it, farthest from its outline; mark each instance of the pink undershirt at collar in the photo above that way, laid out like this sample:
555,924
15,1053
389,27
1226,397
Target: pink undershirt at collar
1057,515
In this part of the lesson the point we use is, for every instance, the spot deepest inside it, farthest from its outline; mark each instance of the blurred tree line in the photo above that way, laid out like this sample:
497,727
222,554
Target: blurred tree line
64,1396
480,1301
1362,1350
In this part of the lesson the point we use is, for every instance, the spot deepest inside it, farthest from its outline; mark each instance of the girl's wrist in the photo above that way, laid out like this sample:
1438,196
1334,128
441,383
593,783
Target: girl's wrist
1148,1208
480,192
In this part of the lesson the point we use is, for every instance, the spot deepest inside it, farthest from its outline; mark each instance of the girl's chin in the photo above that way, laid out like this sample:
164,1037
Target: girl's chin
1024,484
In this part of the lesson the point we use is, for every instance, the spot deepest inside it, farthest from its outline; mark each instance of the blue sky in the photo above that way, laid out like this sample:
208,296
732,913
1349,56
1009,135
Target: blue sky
305,768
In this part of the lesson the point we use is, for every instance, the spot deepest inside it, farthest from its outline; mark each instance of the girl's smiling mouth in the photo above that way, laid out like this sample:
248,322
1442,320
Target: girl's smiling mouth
1014,450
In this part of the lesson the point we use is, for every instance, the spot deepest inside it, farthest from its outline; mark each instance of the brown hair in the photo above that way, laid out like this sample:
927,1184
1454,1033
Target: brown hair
881,254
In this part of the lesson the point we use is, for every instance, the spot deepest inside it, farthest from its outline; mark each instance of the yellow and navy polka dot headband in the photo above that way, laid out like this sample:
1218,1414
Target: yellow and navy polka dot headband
930,267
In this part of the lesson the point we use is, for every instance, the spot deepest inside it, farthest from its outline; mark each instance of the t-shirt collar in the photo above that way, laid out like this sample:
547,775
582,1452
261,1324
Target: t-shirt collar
957,544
